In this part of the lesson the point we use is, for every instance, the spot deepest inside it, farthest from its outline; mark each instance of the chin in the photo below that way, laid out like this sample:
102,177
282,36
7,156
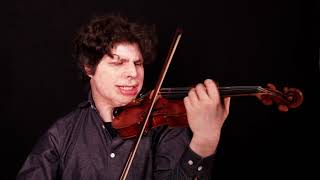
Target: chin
124,102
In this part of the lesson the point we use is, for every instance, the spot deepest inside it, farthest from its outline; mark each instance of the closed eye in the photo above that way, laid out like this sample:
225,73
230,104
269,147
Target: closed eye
117,62
138,63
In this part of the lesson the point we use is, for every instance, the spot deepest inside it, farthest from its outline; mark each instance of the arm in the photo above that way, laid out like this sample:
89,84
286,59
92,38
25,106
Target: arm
42,162
206,115
190,159
174,159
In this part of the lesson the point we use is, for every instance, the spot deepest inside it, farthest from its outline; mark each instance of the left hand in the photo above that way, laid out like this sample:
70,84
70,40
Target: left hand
206,115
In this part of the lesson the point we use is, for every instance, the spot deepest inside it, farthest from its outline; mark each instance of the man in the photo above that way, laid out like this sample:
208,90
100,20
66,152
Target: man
111,51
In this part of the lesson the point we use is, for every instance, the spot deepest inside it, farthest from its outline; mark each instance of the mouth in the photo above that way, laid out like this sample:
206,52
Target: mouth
128,90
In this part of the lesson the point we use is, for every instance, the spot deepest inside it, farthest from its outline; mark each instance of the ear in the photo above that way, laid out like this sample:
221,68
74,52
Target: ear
88,70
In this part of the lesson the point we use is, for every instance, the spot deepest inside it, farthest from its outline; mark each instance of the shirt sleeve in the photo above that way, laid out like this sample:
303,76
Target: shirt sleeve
42,162
175,160
196,166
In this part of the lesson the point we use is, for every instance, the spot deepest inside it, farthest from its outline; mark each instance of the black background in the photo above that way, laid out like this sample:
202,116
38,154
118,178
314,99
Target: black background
248,42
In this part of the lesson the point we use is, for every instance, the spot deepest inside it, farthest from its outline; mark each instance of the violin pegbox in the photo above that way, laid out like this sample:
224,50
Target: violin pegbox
288,99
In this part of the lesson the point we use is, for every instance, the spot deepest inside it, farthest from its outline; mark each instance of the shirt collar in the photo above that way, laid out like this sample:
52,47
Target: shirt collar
88,102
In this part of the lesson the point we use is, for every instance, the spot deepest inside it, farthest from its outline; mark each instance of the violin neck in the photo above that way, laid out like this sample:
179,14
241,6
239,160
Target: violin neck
229,91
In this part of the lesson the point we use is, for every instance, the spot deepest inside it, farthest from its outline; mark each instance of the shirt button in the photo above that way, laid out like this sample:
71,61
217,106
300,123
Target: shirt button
112,155
190,162
200,168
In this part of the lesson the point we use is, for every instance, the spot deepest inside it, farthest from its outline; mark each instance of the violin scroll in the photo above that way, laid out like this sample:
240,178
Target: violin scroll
289,98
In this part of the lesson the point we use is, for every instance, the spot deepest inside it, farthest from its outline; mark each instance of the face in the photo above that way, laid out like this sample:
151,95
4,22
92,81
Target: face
118,80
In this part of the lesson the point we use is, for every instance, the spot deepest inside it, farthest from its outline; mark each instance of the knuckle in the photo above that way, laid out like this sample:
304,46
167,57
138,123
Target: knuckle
208,81
191,92
199,87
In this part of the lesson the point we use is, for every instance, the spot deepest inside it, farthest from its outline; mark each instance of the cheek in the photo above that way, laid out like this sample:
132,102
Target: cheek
104,79
142,74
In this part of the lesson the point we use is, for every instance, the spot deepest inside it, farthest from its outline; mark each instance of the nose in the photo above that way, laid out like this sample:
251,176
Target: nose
131,70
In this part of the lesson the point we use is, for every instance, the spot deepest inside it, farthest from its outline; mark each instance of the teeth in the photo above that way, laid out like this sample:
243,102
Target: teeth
126,87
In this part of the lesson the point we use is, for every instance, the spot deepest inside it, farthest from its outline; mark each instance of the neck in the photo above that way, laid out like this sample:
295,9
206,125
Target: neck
105,110
105,113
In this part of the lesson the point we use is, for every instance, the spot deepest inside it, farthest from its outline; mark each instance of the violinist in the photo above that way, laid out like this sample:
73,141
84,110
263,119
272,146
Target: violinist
111,52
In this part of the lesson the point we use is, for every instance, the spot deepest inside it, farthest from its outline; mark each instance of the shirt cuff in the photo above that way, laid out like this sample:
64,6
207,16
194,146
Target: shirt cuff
194,165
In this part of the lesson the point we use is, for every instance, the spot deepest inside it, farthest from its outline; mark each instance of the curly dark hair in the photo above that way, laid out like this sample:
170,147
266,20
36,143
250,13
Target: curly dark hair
102,33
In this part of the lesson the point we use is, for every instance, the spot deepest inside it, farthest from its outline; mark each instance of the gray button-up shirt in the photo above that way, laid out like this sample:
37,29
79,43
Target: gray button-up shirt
79,147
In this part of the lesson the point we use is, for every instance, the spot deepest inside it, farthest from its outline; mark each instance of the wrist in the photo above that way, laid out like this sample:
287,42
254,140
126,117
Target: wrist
203,145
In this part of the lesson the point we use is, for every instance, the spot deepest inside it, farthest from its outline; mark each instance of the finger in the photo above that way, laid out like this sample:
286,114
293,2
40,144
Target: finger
201,92
226,102
212,89
193,96
187,103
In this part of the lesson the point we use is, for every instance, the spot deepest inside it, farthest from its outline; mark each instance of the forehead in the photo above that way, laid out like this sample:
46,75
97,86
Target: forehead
127,50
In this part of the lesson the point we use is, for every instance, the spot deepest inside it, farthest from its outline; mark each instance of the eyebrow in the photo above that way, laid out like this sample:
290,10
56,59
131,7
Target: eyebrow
124,59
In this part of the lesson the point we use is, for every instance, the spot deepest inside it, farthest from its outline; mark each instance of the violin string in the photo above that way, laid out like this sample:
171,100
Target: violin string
229,91
272,92
231,88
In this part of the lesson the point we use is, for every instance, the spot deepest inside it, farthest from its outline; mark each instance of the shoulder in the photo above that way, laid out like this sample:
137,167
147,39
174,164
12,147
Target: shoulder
68,120
66,125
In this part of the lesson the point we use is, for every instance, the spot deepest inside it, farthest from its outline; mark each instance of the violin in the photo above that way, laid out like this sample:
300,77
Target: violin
169,108
163,106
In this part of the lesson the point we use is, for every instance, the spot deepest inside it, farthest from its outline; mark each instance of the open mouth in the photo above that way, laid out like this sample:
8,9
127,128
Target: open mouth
128,90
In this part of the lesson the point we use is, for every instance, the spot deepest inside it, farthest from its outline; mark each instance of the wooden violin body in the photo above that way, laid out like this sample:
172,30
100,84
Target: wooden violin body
169,108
